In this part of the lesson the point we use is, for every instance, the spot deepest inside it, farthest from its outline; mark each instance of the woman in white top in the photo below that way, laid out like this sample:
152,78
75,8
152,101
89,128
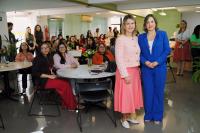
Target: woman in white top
63,60
182,49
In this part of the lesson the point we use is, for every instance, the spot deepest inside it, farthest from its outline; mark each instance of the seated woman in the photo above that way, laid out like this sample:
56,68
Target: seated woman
102,55
24,55
91,43
45,77
62,59
73,43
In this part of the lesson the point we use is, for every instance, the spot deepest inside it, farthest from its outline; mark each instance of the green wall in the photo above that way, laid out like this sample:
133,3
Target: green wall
168,22
74,26
139,23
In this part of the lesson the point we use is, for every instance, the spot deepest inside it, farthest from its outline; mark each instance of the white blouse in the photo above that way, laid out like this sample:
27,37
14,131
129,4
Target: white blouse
150,45
183,35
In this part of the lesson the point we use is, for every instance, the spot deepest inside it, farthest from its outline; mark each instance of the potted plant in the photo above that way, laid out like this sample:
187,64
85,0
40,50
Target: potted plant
88,54
4,54
196,75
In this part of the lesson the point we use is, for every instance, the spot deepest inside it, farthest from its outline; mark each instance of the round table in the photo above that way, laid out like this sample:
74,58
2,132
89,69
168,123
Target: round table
12,66
5,69
83,72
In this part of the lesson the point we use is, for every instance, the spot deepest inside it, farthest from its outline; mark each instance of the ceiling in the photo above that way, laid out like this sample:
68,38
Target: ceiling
57,7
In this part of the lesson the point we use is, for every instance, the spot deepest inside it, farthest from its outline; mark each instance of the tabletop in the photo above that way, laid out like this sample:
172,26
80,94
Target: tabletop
84,72
11,66
75,53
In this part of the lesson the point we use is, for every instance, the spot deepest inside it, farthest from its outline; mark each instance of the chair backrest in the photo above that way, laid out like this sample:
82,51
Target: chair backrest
93,86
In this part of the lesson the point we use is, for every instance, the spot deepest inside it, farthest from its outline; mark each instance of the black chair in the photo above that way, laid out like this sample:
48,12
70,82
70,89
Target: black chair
47,97
93,94
2,124
170,68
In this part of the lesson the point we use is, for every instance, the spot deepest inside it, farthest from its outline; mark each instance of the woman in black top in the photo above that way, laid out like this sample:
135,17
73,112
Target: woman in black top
38,37
45,77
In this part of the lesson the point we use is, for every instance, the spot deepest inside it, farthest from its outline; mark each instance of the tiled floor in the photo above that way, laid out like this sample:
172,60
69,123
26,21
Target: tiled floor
182,115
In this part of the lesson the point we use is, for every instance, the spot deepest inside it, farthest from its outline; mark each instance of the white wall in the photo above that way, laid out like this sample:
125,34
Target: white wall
192,19
20,23
3,27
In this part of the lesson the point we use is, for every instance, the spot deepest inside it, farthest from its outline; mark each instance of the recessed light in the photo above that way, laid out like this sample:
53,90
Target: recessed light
154,9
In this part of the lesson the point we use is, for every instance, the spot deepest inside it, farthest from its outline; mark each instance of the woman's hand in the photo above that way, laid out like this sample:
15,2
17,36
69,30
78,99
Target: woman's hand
151,64
154,64
128,80
52,76
74,65
148,63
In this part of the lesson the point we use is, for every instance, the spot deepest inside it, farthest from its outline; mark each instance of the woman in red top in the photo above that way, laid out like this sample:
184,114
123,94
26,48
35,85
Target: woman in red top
22,56
102,55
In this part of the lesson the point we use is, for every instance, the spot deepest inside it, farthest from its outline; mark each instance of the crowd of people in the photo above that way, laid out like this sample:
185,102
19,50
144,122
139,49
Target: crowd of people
140,59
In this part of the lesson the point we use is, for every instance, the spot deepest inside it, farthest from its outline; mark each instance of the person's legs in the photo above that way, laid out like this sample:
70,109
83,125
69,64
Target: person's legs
158,98
178,68
182,68
148,93
63,88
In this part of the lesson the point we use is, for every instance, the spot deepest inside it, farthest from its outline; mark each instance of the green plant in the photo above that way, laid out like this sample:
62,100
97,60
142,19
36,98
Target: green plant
4,51
88,53
196,75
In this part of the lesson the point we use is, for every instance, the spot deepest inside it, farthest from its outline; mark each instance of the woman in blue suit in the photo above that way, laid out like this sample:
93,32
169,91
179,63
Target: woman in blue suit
154,45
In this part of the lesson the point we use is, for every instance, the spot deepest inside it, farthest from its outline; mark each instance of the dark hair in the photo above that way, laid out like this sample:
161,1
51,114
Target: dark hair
40,52
59,35
146,19
20,48
62,60
180,27
196,31
10,24
35,31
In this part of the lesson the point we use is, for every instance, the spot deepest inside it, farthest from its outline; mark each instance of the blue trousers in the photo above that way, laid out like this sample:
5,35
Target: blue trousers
153,81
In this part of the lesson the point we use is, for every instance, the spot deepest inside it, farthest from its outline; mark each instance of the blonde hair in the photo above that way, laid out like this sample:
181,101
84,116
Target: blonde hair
123,31
27,34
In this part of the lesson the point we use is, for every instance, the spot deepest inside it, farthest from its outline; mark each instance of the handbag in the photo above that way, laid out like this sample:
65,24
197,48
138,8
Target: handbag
111,67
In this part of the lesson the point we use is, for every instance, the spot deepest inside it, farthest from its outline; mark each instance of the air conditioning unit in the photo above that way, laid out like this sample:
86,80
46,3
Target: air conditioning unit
86,18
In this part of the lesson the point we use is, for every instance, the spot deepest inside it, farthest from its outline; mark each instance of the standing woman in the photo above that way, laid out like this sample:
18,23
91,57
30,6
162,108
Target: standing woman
182,48
43,72
30,40
195,42
128,90
24,55
38,37
154,45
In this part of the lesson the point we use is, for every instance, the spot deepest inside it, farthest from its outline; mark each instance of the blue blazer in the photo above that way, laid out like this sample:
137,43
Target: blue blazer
160,49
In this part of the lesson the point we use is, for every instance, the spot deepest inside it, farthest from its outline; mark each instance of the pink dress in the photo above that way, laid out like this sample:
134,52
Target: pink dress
127,97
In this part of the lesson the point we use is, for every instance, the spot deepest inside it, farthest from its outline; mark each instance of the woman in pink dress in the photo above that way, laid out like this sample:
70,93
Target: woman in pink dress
128,90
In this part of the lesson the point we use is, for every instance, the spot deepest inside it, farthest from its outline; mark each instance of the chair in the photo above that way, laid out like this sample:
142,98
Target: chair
2,124
170,68
47,97
93,94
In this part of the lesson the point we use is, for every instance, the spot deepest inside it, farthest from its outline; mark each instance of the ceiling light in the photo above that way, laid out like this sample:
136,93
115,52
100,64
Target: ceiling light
198,7
154,9
162,13
198,11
